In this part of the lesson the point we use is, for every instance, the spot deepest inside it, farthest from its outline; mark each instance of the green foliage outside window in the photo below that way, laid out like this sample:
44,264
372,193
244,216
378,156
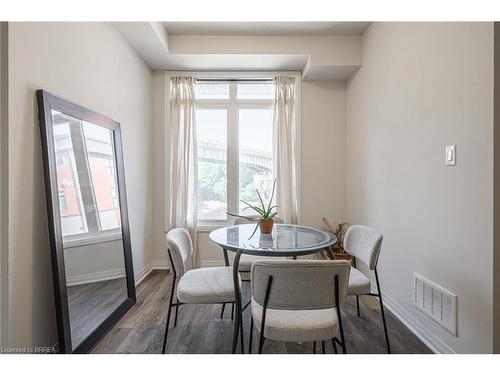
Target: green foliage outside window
212,184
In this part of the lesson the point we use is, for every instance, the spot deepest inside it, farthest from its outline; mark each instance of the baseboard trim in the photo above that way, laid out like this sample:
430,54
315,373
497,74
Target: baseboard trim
160,265
432,341
96,277
143,273
154,265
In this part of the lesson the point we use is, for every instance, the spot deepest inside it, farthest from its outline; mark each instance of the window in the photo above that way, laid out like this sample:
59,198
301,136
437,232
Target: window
73,219
86,178
255,154
212,163
62,202
99,147
234,123
110,167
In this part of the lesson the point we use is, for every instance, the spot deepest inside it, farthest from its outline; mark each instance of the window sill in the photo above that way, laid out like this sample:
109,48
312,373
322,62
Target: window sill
207,228
84,241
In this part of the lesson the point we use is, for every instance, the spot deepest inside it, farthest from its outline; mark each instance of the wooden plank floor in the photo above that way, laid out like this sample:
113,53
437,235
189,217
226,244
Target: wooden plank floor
90,304
200,329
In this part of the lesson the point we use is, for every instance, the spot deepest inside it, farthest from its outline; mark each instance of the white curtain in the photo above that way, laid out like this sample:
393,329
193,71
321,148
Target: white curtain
285,138
183,165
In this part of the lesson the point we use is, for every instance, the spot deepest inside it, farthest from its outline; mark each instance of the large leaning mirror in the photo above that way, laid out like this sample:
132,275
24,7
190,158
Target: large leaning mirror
88,223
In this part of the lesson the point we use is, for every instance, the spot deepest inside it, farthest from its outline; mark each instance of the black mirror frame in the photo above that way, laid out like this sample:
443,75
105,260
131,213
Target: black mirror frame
47,102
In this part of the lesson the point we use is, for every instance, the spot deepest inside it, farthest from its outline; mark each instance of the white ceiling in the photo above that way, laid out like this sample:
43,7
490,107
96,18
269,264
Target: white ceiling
265,28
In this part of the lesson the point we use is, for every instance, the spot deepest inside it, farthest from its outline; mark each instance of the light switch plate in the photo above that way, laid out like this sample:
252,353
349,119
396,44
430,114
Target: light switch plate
451,155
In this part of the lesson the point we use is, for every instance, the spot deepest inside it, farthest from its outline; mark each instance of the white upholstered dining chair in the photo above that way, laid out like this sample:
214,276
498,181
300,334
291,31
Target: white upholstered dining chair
298,301
245,259
211,285
364,244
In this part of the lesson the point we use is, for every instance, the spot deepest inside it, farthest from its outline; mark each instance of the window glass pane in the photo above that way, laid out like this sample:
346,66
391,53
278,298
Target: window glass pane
256,156
73,220
211,90
211,125
99,147
255,90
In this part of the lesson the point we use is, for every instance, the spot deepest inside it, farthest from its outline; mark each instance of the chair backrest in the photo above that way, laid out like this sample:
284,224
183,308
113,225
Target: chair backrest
181,248
299,284
364,243
242,220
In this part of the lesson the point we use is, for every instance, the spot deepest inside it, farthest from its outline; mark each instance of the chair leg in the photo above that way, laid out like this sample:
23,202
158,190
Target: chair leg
382,312
357,297
261,342
264,310
232,312
250,336
339,314
335,347
344,349
314,347
176,311
323,347
168,317
242,340
222,312
236,333
385,326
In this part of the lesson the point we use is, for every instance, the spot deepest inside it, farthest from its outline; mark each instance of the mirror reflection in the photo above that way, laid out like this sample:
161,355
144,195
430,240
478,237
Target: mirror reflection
90,221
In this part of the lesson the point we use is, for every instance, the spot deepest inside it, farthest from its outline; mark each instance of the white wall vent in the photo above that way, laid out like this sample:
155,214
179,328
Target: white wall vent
436,302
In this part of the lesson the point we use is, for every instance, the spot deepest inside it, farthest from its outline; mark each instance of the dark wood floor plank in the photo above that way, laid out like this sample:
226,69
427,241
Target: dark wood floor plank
200,330
91,303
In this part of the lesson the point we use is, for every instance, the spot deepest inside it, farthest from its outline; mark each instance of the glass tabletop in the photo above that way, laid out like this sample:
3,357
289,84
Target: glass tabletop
285,240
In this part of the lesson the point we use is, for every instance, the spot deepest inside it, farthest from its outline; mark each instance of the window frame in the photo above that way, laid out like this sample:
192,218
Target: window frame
232,105
207,226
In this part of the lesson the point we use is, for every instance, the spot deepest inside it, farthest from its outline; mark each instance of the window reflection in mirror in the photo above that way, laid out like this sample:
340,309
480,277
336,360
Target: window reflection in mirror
86,177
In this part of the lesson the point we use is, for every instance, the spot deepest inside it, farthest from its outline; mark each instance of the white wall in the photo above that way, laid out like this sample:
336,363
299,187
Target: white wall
3,182
423,86
94,262
323,152
496,216
89,64
159,112
323,119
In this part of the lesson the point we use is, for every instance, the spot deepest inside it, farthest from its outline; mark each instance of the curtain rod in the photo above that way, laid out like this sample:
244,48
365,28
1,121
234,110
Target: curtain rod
234,80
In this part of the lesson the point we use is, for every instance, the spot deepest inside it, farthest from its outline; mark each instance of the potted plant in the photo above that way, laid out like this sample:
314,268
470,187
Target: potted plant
266,213
338,249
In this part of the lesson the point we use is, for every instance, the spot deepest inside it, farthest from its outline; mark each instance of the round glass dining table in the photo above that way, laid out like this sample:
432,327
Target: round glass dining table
285,241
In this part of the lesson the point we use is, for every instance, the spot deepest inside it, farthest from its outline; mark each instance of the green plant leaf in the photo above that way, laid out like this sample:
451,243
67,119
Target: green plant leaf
255,230
271,210
247,208
257,209
261,201
249,218
272,195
